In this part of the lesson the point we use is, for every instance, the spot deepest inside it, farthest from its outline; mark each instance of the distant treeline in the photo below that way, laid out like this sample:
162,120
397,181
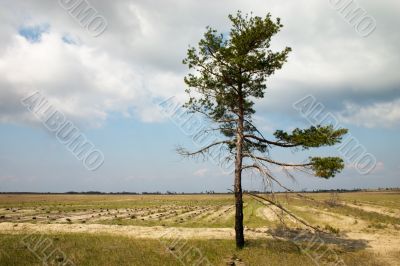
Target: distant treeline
201,193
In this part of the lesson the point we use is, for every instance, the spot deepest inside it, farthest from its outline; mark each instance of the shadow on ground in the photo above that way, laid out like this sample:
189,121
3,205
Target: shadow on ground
303,236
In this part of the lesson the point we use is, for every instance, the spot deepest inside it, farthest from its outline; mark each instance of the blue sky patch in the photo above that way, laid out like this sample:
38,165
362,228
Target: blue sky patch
68,39
33,33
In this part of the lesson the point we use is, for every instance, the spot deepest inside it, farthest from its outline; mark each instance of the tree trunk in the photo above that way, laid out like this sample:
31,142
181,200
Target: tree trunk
239,203
238,179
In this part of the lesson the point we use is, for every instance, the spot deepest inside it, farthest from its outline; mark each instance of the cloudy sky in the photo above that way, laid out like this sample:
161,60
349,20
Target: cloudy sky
110,85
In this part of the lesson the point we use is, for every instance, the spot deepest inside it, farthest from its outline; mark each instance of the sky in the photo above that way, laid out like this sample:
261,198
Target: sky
108,79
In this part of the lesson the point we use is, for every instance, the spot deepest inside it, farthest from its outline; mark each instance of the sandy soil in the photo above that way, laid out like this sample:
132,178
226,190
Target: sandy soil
344,223
154,232
384,245
268,214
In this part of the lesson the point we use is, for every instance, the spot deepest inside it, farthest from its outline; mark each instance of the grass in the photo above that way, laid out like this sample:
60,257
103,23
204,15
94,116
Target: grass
365,215
80,202
379,198
210,211
96,250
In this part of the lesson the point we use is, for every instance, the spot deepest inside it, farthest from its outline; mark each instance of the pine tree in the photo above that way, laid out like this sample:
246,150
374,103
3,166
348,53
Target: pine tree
227,74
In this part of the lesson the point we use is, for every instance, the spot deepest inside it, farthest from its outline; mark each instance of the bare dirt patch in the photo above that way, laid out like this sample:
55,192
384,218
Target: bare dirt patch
344,223
384,245
268,214
153,232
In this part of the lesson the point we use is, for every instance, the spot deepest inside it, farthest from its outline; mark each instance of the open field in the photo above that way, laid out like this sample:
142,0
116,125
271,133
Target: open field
145,229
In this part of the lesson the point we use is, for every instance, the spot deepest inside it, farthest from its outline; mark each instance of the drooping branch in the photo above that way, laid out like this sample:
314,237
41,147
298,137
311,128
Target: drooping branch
324,167
278,163
203,150
264,172
255,128
283,209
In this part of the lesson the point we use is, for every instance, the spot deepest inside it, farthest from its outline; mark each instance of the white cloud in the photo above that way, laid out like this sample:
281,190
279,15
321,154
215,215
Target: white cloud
201,172
138,58
386,114
82,82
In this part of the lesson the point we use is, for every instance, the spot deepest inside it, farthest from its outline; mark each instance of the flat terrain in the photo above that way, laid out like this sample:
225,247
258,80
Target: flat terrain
361,228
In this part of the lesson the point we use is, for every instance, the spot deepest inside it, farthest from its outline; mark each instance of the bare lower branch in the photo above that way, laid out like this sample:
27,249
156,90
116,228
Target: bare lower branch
277,163
184,152
264,172
283,209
